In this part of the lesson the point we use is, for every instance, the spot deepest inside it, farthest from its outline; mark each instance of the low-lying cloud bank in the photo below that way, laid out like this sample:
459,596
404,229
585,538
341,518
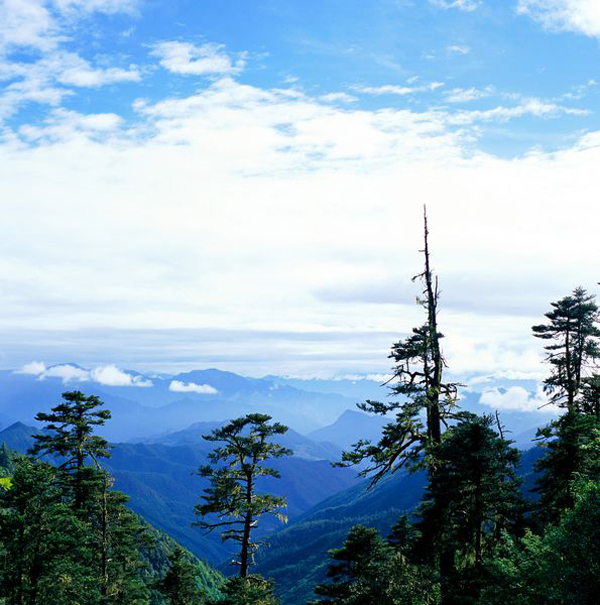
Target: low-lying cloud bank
178,386
109,375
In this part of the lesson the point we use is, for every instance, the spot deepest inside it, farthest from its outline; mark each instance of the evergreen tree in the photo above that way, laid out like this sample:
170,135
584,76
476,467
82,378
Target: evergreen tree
6,460
590,396
69,437
48,556
572,384
574,347
179,586
569,455
247,590
119,537
231,495
114,534
355,570
367,571
471,498
561,567
418,380
426,401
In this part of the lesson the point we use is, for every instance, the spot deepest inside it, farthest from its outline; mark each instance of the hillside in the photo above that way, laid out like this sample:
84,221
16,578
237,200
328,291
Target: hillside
297,555
160,482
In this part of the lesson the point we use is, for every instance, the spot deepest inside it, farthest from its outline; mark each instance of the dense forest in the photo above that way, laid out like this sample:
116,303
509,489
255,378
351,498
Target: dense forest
477,536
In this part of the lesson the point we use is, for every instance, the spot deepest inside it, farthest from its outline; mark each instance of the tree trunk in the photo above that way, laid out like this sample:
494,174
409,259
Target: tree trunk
244,559
433,392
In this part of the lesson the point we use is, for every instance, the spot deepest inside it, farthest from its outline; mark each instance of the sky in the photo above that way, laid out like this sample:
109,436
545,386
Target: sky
232,184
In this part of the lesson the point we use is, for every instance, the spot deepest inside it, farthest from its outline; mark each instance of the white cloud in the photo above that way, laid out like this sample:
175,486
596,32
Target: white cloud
109,375
516,398
112,376
179,207
464,95
188,59
581,16
458,49
34,368
26,23
178,386
335,97
101,6
63,124
66,373
464,5
46,77
538,108
393,89
70,69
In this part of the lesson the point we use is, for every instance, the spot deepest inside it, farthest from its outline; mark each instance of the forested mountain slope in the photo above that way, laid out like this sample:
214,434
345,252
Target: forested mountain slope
160,482
297,555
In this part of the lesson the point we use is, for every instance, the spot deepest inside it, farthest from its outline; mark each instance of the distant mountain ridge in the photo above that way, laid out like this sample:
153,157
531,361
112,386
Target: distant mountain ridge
140,411
303,447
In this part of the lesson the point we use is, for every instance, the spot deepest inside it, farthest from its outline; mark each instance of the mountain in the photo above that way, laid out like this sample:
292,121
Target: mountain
359,388
162,487
349,428
297,555
156,404
303,447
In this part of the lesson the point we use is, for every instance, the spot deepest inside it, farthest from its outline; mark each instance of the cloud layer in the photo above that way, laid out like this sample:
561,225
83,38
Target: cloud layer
581,16
274,226
109,375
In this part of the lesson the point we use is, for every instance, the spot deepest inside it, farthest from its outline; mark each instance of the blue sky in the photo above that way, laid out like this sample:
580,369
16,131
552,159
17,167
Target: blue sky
482,55
239,184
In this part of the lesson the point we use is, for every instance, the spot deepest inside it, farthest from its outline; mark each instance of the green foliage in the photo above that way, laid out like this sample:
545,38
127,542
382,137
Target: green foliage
179,585
47,556
69,437
368,571
157,554
562,567
249,590
571,445
574,346
426,401
6,461
232,495
471,498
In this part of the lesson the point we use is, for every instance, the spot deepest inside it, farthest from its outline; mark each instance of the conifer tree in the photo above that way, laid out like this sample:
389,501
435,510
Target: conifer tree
247,590
368,571
573,349
471,499
356,570
179,586
69,437
48,556
573,384
114,534
418,381
236,466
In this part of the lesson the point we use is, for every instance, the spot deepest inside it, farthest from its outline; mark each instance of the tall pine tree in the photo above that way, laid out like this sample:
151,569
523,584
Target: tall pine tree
426,400
572,384
235,467
471,499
